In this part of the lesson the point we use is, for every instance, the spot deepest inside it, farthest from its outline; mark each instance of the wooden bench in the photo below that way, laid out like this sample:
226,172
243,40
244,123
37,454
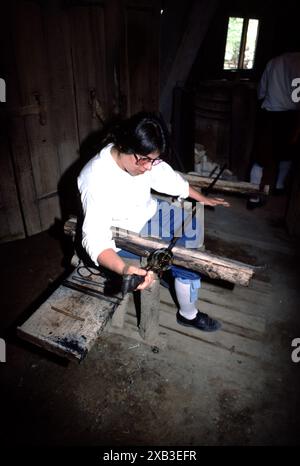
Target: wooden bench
72,318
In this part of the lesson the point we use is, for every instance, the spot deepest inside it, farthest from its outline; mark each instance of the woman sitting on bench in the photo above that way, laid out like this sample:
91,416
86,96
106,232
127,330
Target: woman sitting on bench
115,188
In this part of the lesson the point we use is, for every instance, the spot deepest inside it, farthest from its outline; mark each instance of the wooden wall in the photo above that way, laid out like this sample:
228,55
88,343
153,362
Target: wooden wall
225,122
69,67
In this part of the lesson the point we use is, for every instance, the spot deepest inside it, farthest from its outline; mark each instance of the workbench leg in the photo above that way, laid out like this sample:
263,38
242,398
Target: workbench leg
119,315
149,321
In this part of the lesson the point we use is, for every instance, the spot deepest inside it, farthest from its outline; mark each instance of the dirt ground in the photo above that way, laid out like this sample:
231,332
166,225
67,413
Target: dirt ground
124,393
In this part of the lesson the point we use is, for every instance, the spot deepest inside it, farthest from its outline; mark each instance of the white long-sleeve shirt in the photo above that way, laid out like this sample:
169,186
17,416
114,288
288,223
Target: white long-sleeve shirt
112,197
277,84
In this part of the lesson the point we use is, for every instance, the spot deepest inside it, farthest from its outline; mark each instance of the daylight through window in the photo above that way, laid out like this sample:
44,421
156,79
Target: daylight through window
240,43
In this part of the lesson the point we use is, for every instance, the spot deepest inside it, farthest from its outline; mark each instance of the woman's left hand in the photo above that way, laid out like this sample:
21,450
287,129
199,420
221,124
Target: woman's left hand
214,201
211,201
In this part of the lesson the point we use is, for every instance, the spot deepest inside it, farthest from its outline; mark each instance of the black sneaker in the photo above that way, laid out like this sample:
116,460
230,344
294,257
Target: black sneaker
201,322
254,204
279,191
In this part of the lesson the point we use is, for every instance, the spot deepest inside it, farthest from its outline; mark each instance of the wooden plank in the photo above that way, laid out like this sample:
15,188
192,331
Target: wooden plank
88,58
227,341
73,316
258,242
24,176
224,310
149,321
249,300
213,355
241,304
68,322
115,44
33,75
241,187
11,223
99,32
16,132
63,106
227,360
142,56
243,229
194,349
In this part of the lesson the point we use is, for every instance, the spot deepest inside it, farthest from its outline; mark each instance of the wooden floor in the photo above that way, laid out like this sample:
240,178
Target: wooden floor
240,311
237,386
246,313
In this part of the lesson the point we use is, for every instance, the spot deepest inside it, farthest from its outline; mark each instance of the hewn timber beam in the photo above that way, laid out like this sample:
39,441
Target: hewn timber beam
206,263
242,187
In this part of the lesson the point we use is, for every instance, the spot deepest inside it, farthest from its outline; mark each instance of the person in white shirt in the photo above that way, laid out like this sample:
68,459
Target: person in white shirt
278,123
115,188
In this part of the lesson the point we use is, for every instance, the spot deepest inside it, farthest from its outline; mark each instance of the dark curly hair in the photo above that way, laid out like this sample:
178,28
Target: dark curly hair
142,134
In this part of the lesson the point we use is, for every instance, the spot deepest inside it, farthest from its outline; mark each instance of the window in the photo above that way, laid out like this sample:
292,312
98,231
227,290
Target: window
240,43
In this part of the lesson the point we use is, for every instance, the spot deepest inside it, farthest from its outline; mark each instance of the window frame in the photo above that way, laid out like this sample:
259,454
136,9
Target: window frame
242,49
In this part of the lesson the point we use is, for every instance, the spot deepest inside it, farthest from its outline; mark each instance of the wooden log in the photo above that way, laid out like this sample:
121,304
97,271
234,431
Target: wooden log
209,264
242,187
206,263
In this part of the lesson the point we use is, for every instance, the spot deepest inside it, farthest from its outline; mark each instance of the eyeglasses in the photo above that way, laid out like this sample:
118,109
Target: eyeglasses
143,159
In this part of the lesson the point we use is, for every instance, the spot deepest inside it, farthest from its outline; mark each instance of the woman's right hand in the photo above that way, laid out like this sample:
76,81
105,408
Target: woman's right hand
148,274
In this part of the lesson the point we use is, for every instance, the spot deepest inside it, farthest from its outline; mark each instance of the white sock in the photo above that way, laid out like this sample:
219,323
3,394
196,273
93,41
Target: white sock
256,174
183,293
284,168
254,199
